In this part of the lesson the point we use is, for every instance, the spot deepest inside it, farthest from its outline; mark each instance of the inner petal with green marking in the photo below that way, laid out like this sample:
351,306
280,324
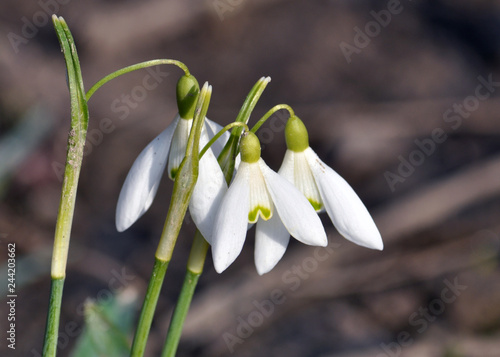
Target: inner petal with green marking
263,212
304,181
260,200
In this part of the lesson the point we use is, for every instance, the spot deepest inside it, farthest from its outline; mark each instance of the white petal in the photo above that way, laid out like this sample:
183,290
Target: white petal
271,240
231,222
287,166
237,162
178,147
212,129
295,211
347,212
143,179
295,169
208,192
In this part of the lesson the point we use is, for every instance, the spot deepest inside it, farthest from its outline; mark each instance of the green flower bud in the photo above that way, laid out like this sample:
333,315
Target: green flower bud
250,147
296,135
188,91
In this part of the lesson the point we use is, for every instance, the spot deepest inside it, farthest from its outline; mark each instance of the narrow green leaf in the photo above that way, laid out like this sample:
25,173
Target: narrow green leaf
74,156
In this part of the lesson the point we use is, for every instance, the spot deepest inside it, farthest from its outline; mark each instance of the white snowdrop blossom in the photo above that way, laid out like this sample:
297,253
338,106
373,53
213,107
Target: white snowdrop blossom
143,179
327,190
259,195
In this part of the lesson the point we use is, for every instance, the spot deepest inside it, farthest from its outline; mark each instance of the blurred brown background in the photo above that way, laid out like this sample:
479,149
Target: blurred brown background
400,97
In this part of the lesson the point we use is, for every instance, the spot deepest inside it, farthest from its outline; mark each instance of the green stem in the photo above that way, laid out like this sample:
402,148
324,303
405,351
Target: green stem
230,150
148,308
219,134
194,270
195,265
52,328
269,113
132,68
185,180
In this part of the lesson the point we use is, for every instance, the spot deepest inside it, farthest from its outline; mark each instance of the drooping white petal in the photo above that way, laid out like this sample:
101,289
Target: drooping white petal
212,129
143,179
271,240
178,147
347,212
295,211
231,222
208,191
295,169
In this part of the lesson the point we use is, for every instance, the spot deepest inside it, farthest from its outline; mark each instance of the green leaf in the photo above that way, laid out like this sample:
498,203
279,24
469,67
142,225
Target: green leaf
108,327
76,143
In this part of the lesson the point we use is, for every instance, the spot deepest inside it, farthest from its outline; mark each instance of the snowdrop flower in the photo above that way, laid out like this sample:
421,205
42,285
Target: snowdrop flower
143,179
325,189
258,192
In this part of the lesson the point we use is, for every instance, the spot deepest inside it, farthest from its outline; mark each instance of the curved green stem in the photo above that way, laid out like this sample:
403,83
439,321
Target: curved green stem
195,264
269,113
231,149
219,134
132,68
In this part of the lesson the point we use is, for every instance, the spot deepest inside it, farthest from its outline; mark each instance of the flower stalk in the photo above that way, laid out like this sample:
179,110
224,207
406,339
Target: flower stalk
195,265
184,184
230,151
200,246
132,68
271,112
